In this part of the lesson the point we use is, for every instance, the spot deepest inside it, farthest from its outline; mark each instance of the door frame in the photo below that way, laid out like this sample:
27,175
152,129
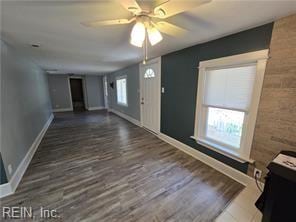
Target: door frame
106,93
70,94
83,91
141,79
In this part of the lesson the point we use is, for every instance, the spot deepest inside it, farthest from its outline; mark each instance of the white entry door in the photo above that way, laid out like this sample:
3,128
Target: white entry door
150,94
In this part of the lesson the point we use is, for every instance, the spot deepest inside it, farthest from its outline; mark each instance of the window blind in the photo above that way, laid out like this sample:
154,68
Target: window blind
230,87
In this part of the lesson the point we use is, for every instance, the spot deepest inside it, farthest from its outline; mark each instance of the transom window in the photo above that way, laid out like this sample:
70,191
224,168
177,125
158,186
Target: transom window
227,101
121,90
149,73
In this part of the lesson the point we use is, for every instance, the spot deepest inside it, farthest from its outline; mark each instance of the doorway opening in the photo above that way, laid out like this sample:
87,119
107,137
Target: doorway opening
78,102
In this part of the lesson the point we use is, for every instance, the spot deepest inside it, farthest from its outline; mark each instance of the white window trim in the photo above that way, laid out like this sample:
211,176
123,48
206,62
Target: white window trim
119,103
259,58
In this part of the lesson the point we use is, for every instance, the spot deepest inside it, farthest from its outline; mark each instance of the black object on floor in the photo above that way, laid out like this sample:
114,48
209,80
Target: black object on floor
278,200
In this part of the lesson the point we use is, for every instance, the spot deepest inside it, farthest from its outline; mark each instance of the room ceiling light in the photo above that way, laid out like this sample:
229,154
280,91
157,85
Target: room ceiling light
138,34
35,45
150,16
149,19
154,36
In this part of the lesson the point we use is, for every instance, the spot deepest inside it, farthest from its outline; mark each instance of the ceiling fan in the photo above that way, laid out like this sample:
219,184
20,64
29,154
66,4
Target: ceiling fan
149,18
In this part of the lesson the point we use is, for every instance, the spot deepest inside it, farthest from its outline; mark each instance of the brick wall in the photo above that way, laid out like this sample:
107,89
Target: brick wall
276,121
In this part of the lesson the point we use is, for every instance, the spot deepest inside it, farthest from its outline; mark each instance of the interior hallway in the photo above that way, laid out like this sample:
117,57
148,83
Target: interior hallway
95,166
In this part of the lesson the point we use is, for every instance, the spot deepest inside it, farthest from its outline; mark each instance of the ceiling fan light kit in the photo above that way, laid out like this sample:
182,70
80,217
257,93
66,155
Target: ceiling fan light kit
154,36
145,20
138,34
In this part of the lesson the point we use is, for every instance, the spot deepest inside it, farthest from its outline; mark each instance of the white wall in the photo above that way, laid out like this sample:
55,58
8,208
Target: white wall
95,91
25,105
60,93
133,91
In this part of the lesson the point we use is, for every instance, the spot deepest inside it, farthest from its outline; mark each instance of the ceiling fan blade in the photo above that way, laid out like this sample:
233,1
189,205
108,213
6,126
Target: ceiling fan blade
171,8
170,29
131,5
95,24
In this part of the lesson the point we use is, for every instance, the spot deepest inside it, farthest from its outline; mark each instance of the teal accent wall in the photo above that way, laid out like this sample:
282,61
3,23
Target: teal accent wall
180,75
3,177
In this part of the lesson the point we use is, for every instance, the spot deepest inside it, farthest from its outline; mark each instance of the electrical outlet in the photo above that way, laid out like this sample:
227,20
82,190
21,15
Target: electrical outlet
257,173
9,169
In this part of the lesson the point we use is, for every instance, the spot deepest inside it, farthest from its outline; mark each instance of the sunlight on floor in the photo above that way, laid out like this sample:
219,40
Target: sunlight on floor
242,208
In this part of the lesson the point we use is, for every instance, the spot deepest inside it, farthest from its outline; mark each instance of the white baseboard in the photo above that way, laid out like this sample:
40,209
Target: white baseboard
124,116
62,110
95,108
217,165
10,187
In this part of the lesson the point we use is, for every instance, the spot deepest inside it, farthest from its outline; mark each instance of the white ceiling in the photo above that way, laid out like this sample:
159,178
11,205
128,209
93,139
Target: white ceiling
69,47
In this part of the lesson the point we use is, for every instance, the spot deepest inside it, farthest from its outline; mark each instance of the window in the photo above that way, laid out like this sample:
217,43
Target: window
105,86
121,89
149,73
229,89
225,125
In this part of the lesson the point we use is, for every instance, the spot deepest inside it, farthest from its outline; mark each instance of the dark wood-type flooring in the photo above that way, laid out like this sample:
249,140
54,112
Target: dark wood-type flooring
95,166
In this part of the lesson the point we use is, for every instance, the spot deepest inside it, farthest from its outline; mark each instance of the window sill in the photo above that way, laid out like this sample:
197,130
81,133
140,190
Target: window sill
226,152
